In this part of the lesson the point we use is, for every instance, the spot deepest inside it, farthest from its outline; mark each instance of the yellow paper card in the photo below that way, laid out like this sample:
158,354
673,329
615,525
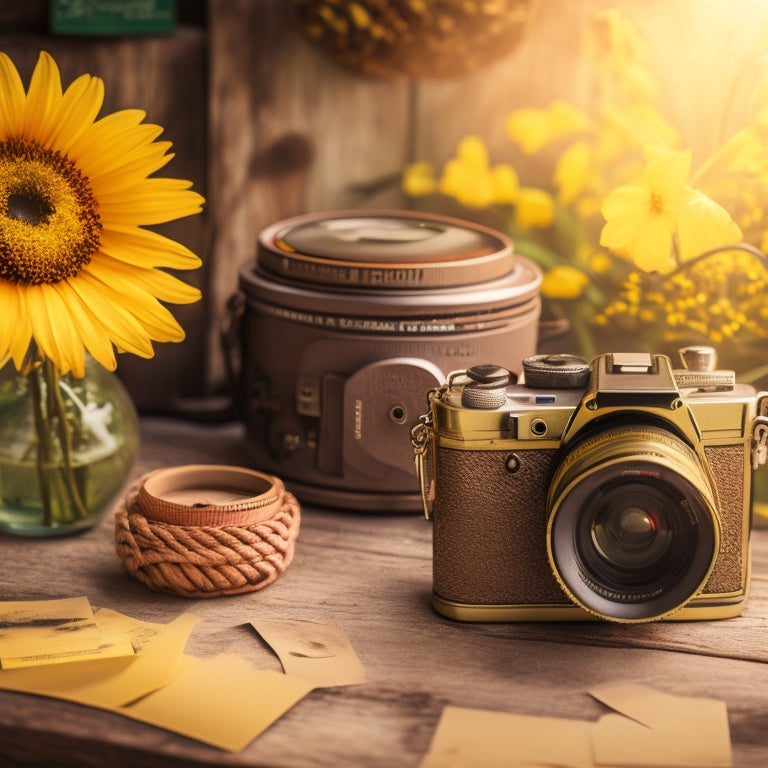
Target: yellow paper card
473,738
44,632
112,682
225,702
318,651
665,730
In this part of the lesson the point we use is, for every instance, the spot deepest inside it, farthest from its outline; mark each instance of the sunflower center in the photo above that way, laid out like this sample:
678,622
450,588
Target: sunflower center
49,219
30,210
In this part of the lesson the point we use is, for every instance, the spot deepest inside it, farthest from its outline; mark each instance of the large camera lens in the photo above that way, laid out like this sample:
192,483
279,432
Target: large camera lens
349,319
633,529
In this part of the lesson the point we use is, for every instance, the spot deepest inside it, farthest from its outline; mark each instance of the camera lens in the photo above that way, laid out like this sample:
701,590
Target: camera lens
349,318
633,528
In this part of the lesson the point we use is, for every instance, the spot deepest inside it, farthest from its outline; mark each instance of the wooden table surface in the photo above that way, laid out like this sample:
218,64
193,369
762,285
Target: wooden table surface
371,573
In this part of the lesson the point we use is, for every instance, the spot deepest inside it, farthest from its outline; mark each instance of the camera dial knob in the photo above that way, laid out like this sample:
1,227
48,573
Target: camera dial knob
489,375
487,387
699,358
558,371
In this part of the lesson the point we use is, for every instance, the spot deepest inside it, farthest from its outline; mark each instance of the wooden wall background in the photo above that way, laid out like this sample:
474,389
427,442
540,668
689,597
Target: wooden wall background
267,126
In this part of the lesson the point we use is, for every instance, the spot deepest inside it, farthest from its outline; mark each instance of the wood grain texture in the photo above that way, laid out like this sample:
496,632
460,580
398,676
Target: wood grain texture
290,132
372,573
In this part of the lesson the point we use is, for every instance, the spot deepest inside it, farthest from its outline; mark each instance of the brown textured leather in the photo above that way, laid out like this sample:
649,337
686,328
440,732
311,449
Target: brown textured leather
490,529
727,463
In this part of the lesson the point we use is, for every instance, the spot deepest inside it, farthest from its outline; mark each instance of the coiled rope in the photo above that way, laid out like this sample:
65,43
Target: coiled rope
205,560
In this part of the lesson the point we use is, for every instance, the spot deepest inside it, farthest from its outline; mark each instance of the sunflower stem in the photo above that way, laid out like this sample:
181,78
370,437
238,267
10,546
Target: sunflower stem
58,415
40,411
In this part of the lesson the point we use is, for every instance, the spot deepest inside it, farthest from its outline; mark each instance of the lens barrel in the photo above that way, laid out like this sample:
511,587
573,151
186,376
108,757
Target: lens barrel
633,528
349,319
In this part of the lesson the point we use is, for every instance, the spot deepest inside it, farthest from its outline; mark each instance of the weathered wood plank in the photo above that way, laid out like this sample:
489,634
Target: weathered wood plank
372,573
290,132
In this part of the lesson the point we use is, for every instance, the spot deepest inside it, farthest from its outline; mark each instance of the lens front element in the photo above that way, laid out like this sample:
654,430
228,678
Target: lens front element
633,529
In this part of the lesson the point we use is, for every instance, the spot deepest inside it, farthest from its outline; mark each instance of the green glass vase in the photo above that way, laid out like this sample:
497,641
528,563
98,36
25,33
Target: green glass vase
67,447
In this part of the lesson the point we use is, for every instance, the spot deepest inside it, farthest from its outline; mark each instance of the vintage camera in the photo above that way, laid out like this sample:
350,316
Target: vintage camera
618,490
346,319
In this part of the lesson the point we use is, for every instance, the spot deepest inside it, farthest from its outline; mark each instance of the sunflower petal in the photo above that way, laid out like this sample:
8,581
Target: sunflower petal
12,99
104,146
66,337
43,98
124,330
111,131
15,333
92,332
38,311
156,201
153,316
154,282
137,167
145,248
77,110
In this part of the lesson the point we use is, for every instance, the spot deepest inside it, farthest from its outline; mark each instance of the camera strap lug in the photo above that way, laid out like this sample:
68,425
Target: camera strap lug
422,439
759,441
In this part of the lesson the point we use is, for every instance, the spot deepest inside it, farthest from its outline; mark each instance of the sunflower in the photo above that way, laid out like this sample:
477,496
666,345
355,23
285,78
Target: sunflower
79,273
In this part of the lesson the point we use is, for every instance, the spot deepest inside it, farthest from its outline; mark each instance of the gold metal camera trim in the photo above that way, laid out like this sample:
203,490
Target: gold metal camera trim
700,607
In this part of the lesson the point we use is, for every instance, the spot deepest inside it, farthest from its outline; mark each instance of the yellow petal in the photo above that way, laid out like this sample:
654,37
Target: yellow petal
105,143
145,248
65,336
419,179
123,328
78,108
45,318
155,201
705,225
12,99
137,167
668,173
94,336
126,279
653,251
15,333
505,184
43,98
563,282
534,208
473,152
155,319
572,172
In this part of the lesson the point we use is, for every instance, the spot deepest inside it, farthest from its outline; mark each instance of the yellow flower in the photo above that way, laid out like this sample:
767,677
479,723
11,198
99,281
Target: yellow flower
419,179
534,208
573,171
78,272
465,177
563,282
470,178
642,218
534,129
505,185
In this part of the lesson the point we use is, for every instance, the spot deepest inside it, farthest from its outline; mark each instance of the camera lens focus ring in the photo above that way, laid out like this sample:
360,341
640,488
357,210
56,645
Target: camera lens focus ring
633,529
